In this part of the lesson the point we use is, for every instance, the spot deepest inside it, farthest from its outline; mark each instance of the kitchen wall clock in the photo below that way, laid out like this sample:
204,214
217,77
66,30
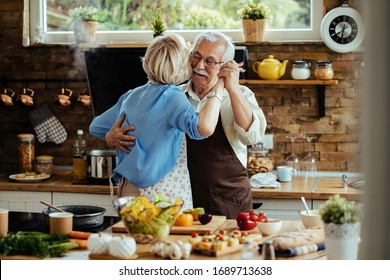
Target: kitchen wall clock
342,29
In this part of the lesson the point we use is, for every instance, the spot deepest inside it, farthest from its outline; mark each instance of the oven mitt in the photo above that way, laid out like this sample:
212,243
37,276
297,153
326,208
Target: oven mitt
47,127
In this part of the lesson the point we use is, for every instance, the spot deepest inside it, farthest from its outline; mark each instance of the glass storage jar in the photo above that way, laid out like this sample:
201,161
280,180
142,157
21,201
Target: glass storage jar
258,160
44,164
323,70
300,70
26,152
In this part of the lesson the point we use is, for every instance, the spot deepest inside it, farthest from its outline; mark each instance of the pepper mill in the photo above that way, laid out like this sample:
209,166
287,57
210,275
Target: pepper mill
268,250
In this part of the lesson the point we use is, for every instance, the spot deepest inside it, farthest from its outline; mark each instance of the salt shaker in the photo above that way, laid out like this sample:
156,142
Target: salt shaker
247,250
268,250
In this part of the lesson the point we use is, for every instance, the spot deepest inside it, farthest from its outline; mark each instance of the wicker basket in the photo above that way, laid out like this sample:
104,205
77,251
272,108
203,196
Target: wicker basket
85,31
254,29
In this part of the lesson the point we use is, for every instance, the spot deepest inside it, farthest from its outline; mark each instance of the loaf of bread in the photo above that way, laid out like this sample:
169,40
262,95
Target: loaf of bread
300,238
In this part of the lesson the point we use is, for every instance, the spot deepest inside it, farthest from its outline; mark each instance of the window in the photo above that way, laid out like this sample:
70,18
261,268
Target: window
126,21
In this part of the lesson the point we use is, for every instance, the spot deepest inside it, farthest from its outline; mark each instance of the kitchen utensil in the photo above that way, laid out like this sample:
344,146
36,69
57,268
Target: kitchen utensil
285,173
61,222
84,216
270,226
311,219
270,68
305,204
52,206
3,222
100,166
121,202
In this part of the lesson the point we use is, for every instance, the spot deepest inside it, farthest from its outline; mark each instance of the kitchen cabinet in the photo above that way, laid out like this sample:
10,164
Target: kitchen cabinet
285,209
24,201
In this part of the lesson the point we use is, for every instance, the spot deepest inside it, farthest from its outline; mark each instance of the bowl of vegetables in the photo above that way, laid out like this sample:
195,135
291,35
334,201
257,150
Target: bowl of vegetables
147,220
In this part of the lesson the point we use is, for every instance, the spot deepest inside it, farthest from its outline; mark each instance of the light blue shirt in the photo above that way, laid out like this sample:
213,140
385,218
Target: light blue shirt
160,114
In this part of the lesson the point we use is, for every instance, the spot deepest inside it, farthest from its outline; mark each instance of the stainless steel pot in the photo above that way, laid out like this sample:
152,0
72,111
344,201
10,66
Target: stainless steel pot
100,166
84,216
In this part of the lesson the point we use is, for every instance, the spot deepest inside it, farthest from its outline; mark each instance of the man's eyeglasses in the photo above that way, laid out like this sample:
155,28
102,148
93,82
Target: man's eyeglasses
208,61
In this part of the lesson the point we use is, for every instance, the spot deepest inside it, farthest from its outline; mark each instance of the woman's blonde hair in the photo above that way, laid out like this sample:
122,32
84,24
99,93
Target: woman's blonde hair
167,60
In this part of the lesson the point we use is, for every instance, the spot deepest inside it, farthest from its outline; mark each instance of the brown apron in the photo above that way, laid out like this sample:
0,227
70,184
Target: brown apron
219,182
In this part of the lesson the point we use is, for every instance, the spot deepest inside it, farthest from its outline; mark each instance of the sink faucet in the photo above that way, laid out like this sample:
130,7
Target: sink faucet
344,178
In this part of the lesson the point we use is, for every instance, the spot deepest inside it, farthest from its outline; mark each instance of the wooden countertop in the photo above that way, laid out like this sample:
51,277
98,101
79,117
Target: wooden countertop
320,188
143,250
61,181
311,188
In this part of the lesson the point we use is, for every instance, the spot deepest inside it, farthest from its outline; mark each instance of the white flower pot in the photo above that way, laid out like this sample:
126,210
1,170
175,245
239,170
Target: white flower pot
342,241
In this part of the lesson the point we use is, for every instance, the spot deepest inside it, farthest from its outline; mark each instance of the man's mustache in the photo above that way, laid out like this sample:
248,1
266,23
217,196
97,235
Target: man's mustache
201,72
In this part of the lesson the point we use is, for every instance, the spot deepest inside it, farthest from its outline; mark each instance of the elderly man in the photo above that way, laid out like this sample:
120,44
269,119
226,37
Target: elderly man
217,165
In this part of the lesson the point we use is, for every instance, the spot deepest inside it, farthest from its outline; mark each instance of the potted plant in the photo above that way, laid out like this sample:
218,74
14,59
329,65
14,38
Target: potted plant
254,16
158,25
84,19
341,219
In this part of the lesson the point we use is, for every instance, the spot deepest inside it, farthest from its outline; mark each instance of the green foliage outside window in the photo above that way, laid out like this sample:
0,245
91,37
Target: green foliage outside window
178,14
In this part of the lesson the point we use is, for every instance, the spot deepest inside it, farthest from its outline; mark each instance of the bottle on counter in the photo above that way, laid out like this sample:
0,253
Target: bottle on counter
26,152
79,157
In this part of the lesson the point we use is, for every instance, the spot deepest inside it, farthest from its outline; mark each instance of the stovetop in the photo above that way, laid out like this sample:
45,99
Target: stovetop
28,221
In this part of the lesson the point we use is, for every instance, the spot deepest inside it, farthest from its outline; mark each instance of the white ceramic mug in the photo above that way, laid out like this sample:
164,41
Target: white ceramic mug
61,222
3,222
285,173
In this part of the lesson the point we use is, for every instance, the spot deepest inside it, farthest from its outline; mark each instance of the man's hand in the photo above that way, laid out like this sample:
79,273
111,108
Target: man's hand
116,136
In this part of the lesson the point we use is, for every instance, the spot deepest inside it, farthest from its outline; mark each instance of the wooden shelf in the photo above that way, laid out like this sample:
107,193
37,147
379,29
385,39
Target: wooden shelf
320,84
289,82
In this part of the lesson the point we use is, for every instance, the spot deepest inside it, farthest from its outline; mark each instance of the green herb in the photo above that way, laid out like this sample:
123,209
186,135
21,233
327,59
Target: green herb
158,24
35,244
339,210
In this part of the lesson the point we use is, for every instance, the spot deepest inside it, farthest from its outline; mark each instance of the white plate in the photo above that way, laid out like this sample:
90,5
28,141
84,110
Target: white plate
28,180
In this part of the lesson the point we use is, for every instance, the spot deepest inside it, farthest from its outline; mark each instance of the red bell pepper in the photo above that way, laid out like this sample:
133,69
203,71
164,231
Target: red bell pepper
244,221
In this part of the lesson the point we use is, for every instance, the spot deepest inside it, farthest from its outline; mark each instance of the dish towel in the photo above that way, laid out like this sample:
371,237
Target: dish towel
264,180
297,251
47,127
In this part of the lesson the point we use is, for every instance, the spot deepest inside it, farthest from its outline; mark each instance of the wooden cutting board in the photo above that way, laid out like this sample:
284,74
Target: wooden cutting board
215,223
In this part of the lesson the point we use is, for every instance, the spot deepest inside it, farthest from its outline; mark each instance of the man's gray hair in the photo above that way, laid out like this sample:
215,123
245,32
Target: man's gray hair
216,36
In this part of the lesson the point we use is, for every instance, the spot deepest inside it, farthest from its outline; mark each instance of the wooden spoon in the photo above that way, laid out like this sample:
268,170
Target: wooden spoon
52,206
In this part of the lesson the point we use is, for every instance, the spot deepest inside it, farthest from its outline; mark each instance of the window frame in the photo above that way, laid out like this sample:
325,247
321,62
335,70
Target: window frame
39,34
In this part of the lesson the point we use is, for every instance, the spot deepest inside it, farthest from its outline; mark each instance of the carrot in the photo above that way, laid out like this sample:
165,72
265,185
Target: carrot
79,234
83,244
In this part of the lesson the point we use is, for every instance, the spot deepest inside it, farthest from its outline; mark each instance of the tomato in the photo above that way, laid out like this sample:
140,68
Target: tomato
262,217
184,220
254,215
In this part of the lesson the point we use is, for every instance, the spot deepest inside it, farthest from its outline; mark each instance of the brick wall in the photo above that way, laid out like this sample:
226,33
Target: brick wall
288,109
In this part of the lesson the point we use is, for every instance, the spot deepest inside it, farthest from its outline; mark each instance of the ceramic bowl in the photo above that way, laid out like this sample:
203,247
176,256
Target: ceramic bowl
272,226
313,220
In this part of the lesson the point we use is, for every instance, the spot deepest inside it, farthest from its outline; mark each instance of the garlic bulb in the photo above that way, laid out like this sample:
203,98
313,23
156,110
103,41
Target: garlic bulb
122,246
173,250
97,243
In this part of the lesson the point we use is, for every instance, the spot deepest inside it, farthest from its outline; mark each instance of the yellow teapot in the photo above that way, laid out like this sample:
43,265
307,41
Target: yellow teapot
270,68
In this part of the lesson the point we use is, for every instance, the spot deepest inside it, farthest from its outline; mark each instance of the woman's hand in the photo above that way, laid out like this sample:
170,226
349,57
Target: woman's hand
117,137
230,72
